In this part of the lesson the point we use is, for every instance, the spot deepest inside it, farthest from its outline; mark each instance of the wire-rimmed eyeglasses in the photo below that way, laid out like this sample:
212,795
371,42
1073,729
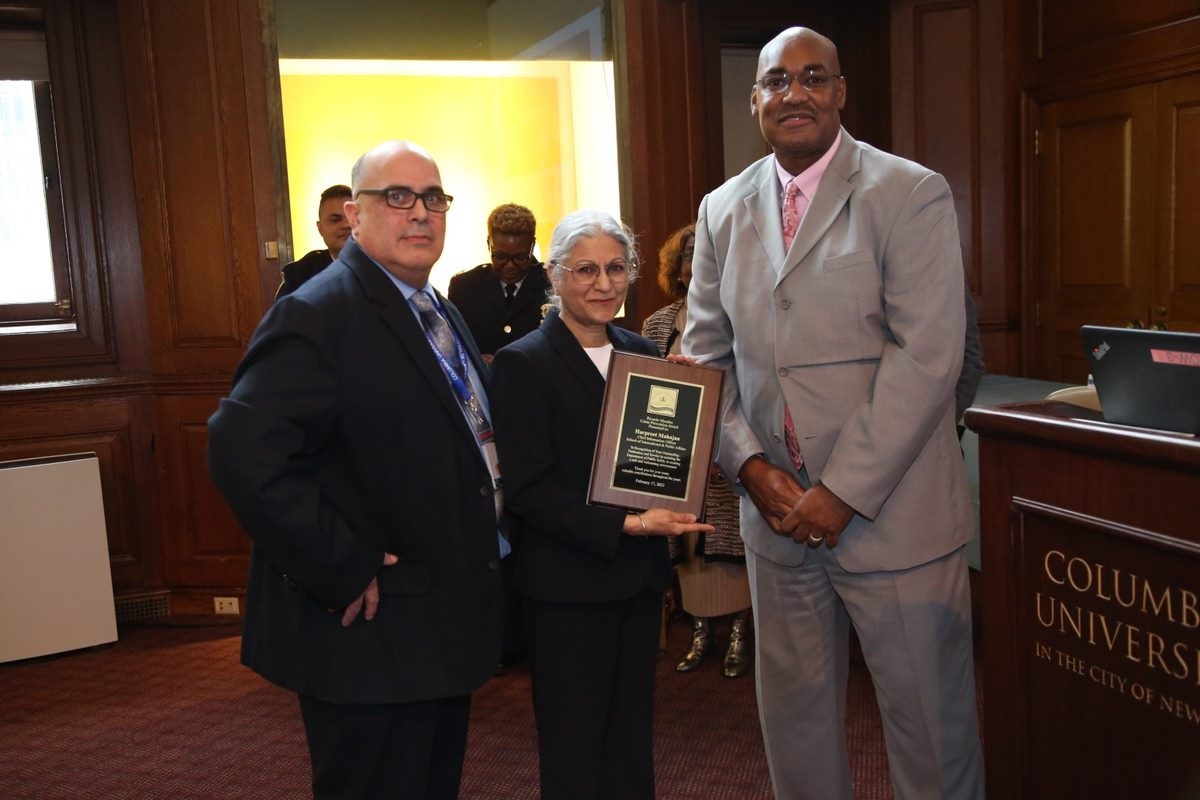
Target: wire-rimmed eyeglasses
813,81
403,198
585,273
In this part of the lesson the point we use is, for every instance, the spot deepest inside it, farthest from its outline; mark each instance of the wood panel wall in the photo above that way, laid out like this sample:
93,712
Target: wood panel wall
661,116
206,195
1130,62
954,110
184,198
1069,53
194,143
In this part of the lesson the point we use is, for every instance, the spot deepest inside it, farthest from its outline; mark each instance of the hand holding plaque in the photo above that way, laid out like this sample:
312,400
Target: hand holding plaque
663,522
656,436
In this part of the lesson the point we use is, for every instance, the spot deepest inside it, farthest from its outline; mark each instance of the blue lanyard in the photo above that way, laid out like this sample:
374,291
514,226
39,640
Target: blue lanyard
457,380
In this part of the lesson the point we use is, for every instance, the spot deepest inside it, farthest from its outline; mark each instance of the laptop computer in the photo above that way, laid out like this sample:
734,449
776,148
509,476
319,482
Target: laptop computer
1146,378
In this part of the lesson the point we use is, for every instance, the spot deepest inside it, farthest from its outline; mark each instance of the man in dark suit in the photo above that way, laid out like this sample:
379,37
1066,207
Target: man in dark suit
502,301
334,229
355,449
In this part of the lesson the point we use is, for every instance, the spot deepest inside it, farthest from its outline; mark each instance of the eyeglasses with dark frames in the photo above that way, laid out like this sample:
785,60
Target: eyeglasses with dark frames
517,259
585,273
813,81
403,198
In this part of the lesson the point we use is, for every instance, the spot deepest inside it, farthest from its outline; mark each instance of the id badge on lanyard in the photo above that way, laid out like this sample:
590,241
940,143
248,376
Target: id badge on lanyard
487,446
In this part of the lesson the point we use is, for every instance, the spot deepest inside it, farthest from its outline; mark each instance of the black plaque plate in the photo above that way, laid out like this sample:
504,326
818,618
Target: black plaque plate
656,435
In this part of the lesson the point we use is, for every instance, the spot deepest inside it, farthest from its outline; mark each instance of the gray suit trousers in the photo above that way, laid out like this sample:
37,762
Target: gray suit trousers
915,629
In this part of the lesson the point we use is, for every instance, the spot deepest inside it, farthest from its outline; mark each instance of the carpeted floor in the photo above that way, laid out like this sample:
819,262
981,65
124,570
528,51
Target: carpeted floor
167,712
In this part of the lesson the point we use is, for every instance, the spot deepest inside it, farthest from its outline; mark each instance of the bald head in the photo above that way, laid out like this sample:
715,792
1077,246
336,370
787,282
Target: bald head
771,50
368,163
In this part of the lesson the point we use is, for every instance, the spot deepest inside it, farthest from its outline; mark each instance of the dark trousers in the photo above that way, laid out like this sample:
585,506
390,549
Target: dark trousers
513,645
592,669
399,750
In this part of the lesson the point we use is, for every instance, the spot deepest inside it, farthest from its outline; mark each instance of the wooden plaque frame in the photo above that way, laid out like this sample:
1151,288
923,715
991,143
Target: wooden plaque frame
657,432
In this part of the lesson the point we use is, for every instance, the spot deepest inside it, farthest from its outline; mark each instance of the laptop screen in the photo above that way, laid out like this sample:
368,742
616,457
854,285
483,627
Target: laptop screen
1146,378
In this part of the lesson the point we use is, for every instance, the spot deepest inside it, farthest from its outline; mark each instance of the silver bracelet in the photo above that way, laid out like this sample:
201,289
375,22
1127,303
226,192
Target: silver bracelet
645,532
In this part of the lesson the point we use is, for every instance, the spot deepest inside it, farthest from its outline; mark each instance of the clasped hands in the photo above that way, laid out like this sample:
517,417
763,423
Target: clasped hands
812,517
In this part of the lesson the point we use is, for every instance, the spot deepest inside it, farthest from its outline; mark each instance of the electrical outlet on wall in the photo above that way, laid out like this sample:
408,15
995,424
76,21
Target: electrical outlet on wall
226,605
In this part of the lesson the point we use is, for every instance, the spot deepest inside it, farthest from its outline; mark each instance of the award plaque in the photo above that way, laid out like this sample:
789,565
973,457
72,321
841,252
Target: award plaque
657,430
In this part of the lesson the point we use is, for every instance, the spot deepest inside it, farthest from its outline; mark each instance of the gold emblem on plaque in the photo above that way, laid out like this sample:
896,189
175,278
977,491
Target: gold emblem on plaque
663,401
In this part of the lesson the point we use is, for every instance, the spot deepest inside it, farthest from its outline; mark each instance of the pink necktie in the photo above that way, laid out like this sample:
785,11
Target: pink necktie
792,211
789,438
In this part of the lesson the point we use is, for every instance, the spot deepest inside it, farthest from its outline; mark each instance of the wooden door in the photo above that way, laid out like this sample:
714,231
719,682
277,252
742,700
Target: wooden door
1094,212
1176,299
205,171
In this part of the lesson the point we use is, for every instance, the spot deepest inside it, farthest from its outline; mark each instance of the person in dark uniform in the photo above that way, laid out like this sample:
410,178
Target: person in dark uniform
502,300
334,229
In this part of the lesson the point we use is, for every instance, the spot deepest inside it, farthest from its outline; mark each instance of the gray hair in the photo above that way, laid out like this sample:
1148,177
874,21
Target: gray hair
586,224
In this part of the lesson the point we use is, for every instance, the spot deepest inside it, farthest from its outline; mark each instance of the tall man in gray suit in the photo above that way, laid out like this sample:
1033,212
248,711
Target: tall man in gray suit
827,281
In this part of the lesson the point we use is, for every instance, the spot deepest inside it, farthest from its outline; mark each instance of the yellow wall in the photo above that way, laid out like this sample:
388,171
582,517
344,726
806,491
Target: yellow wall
500,131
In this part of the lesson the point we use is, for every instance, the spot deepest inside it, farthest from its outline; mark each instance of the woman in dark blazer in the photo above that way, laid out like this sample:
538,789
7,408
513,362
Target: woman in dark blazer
592,576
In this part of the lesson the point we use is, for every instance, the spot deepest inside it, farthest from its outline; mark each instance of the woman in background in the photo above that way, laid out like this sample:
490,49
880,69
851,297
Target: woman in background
592,576
711,566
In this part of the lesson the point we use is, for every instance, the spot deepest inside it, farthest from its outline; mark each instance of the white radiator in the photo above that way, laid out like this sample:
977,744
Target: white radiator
55,584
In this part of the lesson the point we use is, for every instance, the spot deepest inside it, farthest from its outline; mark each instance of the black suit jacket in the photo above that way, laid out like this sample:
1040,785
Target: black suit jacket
546,398
494,321
298,272
341,440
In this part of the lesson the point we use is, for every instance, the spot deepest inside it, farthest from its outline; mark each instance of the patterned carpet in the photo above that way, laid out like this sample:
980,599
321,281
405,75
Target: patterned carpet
167,712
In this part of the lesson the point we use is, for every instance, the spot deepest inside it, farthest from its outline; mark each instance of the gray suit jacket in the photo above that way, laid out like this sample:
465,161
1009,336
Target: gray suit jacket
859,328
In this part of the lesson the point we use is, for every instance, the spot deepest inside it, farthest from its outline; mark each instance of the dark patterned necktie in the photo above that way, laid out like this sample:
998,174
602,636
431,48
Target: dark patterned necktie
436,326
510,291
442,336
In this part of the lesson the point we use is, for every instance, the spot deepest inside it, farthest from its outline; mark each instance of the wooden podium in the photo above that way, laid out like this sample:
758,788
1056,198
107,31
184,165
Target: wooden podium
1091,605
